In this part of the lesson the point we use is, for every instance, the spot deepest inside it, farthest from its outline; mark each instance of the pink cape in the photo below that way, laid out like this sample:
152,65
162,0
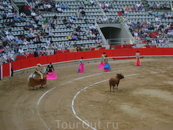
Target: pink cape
81,68
138,62
101,65
51,75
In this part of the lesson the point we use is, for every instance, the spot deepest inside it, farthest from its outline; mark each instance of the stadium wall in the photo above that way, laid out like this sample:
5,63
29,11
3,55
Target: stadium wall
75,56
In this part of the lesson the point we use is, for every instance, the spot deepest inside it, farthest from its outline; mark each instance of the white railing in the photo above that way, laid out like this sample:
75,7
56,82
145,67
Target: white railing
14,5
121,41
101,34
100,8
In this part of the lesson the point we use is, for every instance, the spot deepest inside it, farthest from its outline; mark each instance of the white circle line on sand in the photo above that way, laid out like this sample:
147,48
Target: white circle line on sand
73,100
39,100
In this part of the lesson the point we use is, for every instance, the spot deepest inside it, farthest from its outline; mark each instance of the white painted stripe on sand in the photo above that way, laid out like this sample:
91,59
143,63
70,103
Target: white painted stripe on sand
73,101
39,100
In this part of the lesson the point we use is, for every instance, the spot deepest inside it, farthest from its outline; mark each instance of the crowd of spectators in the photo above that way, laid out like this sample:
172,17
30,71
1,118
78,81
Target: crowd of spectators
37,28
144,31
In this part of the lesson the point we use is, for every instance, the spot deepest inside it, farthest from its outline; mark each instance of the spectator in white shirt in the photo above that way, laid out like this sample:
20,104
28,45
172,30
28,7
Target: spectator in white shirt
138,4
21,52
107,4
59,10
48,41
92,2
157,19
33,14
25,42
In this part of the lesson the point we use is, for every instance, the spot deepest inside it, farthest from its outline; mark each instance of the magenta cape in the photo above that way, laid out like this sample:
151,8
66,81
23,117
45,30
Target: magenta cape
51,75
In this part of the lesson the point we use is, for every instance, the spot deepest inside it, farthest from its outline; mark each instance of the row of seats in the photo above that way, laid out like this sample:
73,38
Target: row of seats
92,12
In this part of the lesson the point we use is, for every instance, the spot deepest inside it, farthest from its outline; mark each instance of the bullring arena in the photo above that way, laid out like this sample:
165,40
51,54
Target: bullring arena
83,101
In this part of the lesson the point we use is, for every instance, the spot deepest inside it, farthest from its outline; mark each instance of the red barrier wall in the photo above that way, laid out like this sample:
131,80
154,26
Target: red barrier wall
60,57
66,56
89,54
25,63
43,60
168,51
52,58
6,69
70,56
79,54
17,65
33,61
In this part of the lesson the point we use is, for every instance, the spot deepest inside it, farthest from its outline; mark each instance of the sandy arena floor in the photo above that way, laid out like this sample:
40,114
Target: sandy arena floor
144,100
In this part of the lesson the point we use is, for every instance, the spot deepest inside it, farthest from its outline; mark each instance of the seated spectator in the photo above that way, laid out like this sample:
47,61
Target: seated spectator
91,2
64,20
74,49
86,2
22,14
170,33
19,41
104,19
150,12
68,25
99,45
32,21
36,39
33,14
25,42
74,37
47,6
66,6
51,34
102,5
56,26
59,10
22,19
86,20
4,15
134,46
107,5
48,41
55,17
133,9
127,8
106,9
157,19
21,52
139,8
30,35
71,21
28,50
160,46
69,37
83,13
113,47
38,18
98,36
81,5
98,20
73,17
78,29
62,6
9,14
1,7
16,19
